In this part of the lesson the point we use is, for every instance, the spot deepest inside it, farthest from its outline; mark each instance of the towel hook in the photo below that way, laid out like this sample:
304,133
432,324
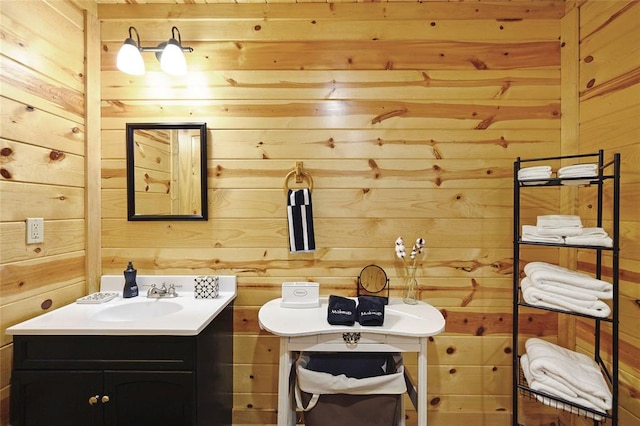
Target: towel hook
300,175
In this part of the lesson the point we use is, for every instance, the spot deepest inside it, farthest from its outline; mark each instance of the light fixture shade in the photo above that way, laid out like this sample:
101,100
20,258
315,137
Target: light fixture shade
130,59
172,59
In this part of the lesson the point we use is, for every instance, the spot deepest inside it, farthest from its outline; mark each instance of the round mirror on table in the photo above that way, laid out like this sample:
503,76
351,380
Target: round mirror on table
373,281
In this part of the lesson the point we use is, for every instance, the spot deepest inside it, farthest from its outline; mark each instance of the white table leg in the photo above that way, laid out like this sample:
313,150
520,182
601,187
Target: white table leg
401,421
422,383
286,410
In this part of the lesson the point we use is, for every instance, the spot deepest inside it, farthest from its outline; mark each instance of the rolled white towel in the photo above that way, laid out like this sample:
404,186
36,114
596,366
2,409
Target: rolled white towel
559,221
540,297
530,233
573,375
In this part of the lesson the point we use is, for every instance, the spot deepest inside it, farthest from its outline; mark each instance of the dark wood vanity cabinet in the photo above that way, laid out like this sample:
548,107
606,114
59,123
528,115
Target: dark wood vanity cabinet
125,380
105,398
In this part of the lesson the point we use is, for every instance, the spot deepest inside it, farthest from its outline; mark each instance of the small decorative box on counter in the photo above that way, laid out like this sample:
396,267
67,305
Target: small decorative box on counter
300,295
206,287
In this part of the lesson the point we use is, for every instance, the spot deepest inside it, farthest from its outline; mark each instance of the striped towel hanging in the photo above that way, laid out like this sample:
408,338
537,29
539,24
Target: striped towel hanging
300,216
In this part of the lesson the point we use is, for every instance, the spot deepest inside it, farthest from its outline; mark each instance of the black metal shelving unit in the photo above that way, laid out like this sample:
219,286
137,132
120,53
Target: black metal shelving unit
607,173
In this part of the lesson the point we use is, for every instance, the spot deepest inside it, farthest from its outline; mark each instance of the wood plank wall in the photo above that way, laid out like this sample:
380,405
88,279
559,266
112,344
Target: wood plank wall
408,116
609,90
42,163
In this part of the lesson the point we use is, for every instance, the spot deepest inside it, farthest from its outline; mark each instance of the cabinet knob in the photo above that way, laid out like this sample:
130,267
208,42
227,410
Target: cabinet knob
93,399
105,399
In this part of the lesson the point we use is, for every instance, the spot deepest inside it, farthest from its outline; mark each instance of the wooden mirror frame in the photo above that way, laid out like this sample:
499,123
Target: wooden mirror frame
132,215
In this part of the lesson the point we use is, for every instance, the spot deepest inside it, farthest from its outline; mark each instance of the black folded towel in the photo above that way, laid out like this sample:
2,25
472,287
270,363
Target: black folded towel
370,310
342,311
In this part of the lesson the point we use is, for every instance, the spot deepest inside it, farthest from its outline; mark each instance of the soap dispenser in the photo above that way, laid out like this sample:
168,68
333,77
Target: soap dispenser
130,286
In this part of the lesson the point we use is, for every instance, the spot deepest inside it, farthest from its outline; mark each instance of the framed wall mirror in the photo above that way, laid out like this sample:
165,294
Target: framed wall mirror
167,171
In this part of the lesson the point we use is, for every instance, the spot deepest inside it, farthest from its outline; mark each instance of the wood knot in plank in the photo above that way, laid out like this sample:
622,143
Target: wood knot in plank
56,155
395,113
374,167
478,64
503,266
331,143
484,124
503,89
436,153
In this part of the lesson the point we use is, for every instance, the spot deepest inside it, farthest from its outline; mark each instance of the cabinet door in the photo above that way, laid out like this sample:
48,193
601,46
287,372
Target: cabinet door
159,398
56,398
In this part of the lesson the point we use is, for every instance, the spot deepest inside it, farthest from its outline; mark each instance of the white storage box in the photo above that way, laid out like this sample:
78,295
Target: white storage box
300,295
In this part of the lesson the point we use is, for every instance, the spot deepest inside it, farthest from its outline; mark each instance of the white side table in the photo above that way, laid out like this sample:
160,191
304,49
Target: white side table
406,329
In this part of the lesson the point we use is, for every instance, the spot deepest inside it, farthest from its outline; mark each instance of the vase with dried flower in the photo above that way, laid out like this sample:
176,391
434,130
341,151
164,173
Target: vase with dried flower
410,289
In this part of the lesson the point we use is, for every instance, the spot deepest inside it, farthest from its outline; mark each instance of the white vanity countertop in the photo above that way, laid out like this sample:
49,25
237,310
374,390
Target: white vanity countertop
183,315
420,320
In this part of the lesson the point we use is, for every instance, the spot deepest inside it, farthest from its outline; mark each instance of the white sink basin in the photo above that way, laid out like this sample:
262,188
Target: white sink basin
137,311
183,315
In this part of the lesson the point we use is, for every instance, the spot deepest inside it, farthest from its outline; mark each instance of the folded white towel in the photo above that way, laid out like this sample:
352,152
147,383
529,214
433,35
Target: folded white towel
590,240
578,170
536,172
530,233
534,175
564,290
559,279
541,297
566,231
574,292
594,232
559,221
537,386
577,174
568,374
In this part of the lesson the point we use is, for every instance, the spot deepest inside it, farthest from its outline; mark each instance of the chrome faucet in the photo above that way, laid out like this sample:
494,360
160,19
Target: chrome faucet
156,293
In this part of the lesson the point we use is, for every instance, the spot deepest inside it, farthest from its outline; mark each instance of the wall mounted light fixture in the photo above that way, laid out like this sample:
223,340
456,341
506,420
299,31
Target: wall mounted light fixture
169,54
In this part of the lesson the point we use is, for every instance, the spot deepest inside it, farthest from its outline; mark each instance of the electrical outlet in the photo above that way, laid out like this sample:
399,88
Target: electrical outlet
35,230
